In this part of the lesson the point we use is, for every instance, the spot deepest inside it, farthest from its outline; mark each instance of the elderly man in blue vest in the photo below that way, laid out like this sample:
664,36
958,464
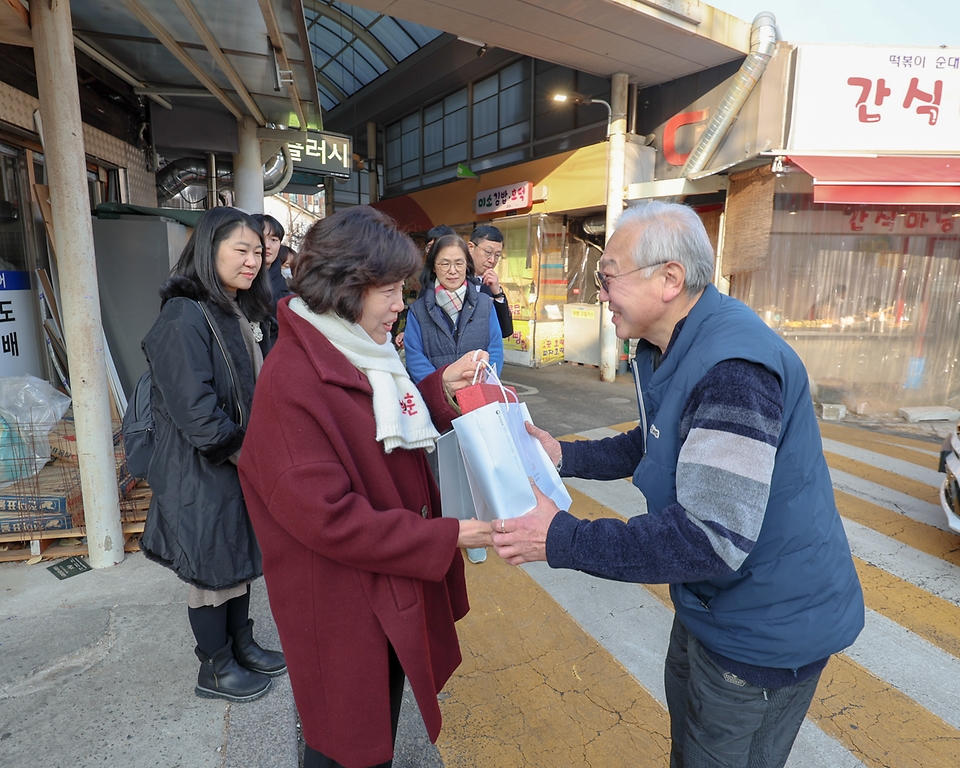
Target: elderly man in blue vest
741,518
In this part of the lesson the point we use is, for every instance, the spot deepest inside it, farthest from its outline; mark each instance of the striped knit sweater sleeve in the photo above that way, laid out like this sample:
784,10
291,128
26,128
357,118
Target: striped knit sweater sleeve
728,431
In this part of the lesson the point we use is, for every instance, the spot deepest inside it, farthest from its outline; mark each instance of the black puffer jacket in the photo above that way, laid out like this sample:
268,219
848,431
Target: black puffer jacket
197,524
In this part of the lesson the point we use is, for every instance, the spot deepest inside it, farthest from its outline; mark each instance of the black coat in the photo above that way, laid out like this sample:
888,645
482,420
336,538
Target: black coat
197,524
279,289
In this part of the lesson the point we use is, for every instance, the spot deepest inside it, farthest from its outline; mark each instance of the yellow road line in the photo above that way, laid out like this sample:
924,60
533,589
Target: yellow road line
885,478
932,618
535,690
942,544
906,448
881,726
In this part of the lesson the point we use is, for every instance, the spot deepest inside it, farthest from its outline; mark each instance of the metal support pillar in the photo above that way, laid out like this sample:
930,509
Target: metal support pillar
52,28
373,183
329,191
248,169
212,187
616,150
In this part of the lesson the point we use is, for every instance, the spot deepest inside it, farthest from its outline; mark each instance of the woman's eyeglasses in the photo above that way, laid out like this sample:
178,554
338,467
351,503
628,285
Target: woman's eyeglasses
443,266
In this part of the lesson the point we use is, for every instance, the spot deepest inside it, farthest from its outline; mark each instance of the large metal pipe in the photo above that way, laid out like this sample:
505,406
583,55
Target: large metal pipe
278,172
186,172
763,42
616,154
65,161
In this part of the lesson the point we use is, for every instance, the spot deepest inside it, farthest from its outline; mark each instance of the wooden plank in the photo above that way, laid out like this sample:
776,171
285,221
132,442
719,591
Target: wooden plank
50,297
46,210
65,533
130,532
58,367
19,10
118,404
56,341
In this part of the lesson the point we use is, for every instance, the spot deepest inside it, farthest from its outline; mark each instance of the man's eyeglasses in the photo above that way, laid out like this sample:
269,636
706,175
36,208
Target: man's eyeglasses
445,265
603,281
495,255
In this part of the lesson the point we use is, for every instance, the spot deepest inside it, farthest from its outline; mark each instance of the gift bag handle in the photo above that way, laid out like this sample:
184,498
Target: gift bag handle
485,366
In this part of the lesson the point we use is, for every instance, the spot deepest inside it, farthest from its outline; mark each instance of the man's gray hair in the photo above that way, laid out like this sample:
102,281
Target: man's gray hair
671,232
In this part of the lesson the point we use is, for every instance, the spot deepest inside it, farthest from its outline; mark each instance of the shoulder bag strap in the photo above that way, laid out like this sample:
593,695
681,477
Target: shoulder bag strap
229,361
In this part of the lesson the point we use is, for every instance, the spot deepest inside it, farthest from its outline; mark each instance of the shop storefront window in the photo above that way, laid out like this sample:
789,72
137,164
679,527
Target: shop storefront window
14,210
868,296
533,275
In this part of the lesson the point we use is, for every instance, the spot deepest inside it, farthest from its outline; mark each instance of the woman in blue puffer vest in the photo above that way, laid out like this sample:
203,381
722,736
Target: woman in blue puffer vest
450,317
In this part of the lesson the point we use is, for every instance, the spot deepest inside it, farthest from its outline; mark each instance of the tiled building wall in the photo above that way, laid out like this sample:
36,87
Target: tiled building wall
17,108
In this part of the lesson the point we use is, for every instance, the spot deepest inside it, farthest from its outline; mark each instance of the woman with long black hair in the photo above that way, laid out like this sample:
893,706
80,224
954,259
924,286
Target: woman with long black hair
205,351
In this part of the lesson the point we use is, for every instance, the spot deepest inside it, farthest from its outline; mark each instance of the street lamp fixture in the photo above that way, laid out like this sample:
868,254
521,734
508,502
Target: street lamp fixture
578,98
616,155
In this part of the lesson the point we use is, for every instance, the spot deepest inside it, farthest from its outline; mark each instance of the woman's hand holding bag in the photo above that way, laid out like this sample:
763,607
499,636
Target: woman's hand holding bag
462,373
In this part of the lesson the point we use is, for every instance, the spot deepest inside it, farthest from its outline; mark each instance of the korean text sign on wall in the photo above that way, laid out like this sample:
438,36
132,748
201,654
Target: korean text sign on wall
512,197
876,99
327,153
19,350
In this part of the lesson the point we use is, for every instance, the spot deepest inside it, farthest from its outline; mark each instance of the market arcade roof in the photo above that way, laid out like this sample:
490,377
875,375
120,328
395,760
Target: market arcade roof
242,57
653,41
253,57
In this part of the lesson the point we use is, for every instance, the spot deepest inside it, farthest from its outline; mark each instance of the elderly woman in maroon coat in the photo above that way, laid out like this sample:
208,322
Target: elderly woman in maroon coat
365,578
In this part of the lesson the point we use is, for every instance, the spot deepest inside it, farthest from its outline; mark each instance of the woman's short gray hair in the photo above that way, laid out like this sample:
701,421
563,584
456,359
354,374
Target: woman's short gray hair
671,232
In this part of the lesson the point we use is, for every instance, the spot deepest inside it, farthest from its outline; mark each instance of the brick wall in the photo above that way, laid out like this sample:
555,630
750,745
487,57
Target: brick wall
17,108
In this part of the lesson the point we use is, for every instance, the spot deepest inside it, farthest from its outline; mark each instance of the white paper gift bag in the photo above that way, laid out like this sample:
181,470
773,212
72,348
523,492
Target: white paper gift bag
499,457
456,497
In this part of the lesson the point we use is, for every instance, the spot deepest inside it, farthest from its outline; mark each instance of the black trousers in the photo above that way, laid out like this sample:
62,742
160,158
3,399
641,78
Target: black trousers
312,758
718,720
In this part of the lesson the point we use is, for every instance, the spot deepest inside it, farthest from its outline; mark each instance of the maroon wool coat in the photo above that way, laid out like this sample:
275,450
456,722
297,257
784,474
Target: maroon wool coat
355,553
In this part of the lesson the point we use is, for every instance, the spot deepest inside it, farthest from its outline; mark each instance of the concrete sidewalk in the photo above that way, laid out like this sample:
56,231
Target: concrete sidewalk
99,669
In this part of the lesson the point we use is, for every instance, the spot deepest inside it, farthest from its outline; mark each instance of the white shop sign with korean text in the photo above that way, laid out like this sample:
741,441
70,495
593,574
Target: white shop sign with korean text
19,350
876,99
512,197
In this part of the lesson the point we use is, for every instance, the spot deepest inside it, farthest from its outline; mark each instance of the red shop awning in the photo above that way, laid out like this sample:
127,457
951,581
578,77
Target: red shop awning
889,180
408,214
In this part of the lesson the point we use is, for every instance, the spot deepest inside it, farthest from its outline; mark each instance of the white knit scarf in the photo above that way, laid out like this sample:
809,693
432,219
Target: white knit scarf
402,418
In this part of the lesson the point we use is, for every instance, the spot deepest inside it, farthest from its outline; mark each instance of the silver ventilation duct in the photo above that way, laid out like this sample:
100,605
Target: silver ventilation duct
595,225
187,176
763,42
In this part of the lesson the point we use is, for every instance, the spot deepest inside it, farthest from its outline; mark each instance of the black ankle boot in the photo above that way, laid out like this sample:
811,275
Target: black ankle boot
253,657
221,677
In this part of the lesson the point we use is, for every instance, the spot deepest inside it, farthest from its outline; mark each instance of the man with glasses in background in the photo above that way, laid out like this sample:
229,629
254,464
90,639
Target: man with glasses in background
486,250
741,520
